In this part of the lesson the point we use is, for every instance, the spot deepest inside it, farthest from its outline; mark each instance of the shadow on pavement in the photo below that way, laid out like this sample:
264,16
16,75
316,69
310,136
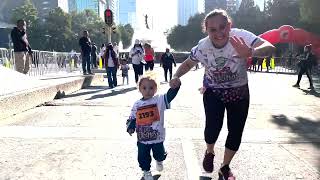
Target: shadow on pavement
155,177
98,89
303,127
311,92
112,93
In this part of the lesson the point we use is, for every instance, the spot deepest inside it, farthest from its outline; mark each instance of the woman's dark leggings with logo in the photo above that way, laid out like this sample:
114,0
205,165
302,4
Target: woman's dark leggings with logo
237,112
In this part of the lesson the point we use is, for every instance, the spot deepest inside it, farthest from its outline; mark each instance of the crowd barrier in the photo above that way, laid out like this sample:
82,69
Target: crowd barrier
46,62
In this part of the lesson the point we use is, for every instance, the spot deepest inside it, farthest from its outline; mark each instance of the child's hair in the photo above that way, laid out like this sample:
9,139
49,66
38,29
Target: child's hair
123,60
149,75
213,13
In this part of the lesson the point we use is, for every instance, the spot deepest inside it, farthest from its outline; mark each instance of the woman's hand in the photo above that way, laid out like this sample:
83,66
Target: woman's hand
241,47
175,82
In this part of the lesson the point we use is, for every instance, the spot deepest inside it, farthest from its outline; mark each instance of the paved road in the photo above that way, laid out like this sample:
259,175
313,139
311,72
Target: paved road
82,136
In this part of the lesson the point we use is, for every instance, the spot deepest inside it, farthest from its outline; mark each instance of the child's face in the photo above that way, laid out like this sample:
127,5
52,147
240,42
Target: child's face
218,29
148,88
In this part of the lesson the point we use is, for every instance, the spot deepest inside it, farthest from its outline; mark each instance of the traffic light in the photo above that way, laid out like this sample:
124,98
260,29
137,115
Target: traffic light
108,17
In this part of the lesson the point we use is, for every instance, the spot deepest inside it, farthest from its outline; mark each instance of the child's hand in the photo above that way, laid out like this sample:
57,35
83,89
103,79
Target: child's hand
202,90
130,131
175,83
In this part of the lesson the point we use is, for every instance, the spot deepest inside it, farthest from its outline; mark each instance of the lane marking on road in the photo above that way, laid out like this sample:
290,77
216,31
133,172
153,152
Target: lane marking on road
192,165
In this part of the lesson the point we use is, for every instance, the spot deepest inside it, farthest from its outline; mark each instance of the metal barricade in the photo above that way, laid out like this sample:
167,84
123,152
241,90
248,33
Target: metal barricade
6,58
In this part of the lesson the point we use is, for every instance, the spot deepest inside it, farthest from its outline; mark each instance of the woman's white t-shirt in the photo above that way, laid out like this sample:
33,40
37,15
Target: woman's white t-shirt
222,68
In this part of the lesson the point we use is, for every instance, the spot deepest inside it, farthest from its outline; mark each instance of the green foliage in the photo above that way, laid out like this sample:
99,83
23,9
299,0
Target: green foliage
58,30
309,10
249,17
126,34
26,12
281,12
90,21
310,15
183,38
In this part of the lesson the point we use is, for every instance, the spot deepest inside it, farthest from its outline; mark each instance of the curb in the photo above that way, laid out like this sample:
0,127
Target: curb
21,101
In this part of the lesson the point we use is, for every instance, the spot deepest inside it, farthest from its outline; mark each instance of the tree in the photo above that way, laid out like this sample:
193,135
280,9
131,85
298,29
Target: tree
58,30
282,12
249,17
126,34
29,13
309,10
193,31
26,12
310,15
90,21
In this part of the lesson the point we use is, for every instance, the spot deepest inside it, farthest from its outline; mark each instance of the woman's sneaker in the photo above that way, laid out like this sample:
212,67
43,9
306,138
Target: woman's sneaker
207,162
159,165
147,175
225,173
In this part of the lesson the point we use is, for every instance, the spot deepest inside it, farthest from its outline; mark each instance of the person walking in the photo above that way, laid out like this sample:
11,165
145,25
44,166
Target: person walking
148,57
21,47
102,51
124,67
147,119
85,46
136,54
166,62
112,65
305,66
223,53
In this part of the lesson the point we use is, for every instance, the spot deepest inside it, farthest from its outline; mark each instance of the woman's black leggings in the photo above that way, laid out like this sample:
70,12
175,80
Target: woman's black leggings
138,71
236,118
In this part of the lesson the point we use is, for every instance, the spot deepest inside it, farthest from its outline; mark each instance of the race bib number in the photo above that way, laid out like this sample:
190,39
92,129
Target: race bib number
146,115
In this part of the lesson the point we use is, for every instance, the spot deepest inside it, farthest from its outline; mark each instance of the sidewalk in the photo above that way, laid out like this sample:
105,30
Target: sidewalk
19,92
83,136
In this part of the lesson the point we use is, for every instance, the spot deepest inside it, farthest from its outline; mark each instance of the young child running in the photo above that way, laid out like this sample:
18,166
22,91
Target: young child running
147,119
124,68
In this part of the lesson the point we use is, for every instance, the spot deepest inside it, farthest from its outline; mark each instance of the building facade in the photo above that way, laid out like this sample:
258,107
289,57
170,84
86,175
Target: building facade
98,6
126,12
45,6
188,8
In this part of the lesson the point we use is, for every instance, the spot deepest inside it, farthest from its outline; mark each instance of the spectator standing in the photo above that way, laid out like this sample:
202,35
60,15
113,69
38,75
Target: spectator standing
85,46
94,55
21,46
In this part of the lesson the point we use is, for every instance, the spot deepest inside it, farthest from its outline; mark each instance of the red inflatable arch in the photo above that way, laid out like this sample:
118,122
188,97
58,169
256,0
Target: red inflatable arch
288,34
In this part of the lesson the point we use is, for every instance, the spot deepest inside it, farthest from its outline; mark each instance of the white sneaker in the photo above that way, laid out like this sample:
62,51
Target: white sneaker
147,175
159,165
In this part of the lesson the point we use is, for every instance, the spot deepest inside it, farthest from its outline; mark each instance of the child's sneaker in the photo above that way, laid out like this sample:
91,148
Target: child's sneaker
225,173
147,175
159,165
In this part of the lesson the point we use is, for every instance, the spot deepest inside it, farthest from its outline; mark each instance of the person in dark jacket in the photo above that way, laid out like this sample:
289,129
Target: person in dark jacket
85,45
305,66
21,46
112,65
94,55
167,60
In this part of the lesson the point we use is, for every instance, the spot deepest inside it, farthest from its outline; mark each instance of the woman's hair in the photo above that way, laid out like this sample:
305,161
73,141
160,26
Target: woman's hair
213,13
151,76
